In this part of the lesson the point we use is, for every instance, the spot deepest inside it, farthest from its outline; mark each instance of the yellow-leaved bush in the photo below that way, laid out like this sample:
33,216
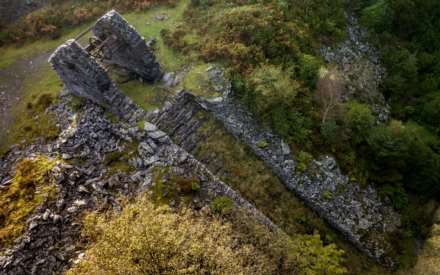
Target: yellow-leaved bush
146,239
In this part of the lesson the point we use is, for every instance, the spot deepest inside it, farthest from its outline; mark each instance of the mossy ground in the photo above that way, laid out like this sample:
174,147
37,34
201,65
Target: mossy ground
197,81
170,188
30,187
147,96
118,161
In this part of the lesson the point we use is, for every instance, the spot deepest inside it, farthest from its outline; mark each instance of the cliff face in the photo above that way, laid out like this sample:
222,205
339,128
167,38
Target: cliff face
12,10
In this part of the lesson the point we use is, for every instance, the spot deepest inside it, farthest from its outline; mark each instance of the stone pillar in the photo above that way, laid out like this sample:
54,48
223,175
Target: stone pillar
84,77
81,74
129,50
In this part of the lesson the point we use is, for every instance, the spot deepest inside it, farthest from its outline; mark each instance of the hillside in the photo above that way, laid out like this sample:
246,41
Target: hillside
219,137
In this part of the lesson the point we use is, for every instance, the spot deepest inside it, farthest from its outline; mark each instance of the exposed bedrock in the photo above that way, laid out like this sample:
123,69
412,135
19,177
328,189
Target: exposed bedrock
360,67
357,212
128,49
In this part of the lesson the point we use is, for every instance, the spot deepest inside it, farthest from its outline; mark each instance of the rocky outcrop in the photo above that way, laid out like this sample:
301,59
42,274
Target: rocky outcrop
358,213
125,48
51,241
360,68
84,77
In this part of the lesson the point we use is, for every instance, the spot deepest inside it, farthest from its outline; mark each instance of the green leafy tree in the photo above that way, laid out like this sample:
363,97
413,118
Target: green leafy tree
359,119
308,69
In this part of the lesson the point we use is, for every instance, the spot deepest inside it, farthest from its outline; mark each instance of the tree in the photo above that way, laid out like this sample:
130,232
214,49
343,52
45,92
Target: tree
309,70
328,94
359,119
403,153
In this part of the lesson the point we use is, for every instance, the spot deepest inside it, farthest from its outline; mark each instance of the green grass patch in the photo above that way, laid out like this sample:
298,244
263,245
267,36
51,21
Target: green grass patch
222,205
147,96
11,54
118,161
30,187
31,119
148,26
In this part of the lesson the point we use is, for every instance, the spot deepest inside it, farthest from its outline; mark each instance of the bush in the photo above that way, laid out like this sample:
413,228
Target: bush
330,132
50,21
360,120
145,239
303,161
377,16
397,195
222,205
308,70
271,93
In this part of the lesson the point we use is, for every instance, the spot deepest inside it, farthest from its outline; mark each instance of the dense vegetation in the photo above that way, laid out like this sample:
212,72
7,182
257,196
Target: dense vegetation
272,48
147,239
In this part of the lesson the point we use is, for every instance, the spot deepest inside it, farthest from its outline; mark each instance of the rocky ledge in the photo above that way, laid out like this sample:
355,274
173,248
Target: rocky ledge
357,212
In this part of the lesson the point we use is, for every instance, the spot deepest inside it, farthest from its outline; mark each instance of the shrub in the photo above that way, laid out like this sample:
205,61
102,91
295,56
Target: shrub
397,195
377,16
330,132
58,15
144,239
303,161
222,205
246,35
359,119
170,187
308,70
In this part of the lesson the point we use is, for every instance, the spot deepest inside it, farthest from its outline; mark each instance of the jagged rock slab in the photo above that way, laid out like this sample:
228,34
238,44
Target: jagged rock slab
356,212
128,49
84,77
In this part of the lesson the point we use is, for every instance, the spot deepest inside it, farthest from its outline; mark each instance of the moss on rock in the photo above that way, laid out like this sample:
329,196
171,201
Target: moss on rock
31,186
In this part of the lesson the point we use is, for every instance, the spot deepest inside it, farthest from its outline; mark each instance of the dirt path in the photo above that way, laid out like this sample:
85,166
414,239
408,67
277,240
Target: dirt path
12,81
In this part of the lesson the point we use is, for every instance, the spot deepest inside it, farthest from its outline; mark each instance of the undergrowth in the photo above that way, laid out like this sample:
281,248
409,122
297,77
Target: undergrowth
30,187
146,239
